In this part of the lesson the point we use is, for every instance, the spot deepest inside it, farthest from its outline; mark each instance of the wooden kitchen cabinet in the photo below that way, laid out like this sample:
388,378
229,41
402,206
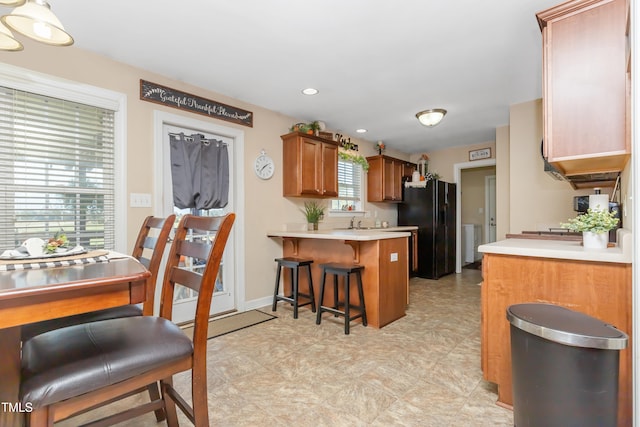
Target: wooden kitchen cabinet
310,166
584,86
384,178
598,289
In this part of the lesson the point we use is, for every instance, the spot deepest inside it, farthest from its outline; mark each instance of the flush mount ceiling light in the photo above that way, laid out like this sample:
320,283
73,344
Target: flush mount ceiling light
310,91
35,20
12,3
361,130
431,117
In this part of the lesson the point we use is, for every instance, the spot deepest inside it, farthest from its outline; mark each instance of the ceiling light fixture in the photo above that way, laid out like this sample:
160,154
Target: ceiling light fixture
7,41
35,20
361,130
12,3
431,117
310,91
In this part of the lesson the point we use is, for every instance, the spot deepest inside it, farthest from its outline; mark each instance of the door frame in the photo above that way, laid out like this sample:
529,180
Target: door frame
162,118
457,179
487,204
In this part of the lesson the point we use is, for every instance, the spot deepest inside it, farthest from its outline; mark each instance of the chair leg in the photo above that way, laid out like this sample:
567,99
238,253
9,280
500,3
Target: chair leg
294,290
361,295
335,293
169,404
154,394
320,301
39,418
347,317
311,293
275,292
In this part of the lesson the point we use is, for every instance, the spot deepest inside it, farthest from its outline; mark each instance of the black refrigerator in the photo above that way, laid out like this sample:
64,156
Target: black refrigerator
433,210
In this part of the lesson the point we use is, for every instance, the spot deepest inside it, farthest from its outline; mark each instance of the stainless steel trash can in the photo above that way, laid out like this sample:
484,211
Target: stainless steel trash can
565,367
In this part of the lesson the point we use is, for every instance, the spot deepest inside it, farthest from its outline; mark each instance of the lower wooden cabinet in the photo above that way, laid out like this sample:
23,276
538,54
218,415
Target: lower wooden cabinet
598,289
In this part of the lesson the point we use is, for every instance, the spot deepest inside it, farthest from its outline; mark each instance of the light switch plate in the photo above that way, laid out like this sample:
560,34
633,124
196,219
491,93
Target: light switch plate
140,200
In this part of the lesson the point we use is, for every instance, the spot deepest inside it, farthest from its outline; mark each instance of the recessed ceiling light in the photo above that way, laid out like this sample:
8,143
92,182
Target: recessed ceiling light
361,130
310,91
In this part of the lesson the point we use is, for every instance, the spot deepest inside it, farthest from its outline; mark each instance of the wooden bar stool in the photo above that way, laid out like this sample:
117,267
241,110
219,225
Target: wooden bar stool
294,265
344,271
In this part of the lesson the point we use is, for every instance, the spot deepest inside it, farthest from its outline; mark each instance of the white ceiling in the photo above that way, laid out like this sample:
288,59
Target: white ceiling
375,62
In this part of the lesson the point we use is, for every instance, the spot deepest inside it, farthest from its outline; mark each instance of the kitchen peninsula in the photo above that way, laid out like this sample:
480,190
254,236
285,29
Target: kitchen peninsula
594,282
382,252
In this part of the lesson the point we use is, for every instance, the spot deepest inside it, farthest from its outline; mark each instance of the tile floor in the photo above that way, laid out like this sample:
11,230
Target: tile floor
422,370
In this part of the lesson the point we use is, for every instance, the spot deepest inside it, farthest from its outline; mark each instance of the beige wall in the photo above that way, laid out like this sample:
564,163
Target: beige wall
265,208
472,190
443,161
536,200
503,183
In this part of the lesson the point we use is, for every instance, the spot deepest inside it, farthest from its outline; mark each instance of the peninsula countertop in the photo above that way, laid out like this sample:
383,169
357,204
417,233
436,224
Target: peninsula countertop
560,249
347,234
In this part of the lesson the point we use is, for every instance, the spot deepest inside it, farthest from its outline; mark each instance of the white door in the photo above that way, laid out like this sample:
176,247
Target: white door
490,209
224,294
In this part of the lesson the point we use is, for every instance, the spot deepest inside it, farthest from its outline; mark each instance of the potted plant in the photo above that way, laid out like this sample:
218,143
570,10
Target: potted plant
313,211
594,225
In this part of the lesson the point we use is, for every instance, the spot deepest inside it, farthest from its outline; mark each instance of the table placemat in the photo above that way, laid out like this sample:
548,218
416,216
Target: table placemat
91,257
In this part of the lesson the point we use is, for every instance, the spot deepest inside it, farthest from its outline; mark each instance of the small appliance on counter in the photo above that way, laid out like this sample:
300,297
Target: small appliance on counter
593,201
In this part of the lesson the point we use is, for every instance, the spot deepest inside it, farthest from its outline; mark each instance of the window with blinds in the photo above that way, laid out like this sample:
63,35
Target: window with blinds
56,170
349,187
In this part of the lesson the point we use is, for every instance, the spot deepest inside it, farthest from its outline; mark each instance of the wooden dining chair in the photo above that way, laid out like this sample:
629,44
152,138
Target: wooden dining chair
71,370
148,249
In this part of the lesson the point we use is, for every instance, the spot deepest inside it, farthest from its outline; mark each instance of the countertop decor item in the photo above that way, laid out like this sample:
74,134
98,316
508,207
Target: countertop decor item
594,225
313,211
380,147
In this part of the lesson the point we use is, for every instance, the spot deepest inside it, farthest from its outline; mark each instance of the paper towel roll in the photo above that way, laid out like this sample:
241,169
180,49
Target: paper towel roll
599,202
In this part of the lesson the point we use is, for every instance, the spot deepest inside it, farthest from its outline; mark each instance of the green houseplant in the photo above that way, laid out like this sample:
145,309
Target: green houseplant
313,211
594,225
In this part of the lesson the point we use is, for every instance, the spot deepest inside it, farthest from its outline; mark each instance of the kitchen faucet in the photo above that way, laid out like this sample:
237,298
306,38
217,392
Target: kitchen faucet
353,219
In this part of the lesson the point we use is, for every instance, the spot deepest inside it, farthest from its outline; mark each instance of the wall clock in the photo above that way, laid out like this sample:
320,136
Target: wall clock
263,166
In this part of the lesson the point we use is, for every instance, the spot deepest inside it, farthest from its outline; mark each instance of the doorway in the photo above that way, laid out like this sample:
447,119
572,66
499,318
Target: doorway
457,173
228,284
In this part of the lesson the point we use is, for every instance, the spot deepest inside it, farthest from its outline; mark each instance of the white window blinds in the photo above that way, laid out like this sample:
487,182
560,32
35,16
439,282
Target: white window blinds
349,186
56,170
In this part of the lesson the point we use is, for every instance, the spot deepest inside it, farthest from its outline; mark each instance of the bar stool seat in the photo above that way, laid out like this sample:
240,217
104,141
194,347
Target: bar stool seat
345,271
294,265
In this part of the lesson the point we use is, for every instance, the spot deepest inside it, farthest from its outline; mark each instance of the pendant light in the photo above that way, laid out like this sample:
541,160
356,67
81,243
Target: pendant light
7,41
431,117
35,20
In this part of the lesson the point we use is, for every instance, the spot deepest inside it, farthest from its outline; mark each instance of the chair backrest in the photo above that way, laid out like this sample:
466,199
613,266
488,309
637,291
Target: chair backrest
203,239
149,248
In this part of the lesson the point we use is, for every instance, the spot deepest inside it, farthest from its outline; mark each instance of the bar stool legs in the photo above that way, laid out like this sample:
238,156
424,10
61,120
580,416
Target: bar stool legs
344,271
294,265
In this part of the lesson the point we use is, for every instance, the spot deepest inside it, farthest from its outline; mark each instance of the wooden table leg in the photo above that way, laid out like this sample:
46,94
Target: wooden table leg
10,409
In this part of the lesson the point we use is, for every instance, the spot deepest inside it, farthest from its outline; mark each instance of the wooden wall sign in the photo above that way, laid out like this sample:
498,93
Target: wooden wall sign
163,95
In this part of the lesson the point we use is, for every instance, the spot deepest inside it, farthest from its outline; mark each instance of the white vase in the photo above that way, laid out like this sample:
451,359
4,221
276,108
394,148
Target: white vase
594,240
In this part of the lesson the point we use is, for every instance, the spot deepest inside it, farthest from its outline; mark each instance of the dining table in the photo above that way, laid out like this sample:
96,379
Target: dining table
36,292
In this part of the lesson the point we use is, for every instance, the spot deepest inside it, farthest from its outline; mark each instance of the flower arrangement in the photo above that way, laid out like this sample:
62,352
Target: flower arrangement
59,240
424,157
595,221
380,147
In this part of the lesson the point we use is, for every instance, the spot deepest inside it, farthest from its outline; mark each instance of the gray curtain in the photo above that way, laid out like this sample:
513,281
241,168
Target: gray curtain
199,171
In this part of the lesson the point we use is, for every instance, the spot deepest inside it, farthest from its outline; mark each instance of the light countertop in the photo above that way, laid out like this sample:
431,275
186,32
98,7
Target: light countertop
560,249
348,234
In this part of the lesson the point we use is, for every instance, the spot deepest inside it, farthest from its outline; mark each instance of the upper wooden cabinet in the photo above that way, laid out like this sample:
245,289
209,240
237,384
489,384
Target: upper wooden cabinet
584,65
310,166
384,178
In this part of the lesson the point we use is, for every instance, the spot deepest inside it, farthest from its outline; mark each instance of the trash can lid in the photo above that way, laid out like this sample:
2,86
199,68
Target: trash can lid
564,326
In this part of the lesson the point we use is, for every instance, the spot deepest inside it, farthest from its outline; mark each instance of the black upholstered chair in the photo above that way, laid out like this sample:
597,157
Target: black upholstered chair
148,249
70,370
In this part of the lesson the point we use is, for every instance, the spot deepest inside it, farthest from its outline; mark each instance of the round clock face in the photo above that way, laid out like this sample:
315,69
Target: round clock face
264,167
